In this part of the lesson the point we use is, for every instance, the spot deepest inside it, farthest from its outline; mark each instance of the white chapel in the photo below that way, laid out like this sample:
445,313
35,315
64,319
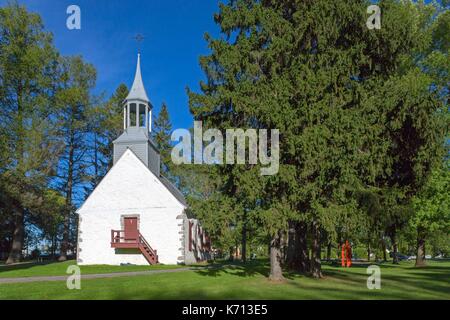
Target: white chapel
135,215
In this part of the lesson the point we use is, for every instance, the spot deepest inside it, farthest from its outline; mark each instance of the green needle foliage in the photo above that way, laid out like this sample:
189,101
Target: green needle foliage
161,131
73,99
356,109
28,63
362,115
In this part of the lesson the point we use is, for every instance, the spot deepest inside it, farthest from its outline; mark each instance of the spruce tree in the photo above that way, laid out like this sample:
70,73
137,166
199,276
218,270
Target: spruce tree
28,63
161,131
73,98
344,97
105,121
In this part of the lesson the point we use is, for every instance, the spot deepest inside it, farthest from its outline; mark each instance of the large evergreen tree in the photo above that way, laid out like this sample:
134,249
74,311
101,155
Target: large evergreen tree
73,98
354,109
105,125
161,131
28,63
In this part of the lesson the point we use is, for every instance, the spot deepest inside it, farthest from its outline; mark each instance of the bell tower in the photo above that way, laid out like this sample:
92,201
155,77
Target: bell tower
137,119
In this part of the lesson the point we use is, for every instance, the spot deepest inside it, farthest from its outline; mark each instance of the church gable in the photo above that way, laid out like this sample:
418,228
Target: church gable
129,184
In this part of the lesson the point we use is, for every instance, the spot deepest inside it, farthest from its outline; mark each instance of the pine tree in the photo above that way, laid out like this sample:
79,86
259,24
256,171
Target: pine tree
161,131
105,125
111,125
73,98
269,76
344,97
28,64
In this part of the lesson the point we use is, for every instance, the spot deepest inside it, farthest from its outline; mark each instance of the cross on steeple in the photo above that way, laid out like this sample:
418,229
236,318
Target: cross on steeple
139,38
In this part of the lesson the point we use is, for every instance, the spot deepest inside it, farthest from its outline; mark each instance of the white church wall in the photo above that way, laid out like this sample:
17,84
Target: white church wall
130,188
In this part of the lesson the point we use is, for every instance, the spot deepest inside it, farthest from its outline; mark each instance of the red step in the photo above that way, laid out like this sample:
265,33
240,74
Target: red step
118,241
147,251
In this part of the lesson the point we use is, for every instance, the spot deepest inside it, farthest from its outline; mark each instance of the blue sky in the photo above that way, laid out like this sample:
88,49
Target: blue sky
174,41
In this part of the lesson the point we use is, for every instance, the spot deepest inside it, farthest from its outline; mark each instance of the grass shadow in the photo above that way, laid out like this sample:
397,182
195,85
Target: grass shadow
248,269
24,265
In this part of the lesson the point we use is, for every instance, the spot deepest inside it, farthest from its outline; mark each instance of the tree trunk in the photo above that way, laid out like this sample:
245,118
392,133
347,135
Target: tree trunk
420,257
292,253
329,251
394,248
302,236
383,247
53,250
65,239
283,248
276,273
97,177
298,258
244,239
368,251
316,268
15,255
68,209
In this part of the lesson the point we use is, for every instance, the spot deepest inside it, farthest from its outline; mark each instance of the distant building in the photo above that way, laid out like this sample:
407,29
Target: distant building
135,215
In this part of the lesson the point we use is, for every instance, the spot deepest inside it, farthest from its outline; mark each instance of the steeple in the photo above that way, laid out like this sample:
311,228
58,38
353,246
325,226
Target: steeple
137,119
137,107
137,91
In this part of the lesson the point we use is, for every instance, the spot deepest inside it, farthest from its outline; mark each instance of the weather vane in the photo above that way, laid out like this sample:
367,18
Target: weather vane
139,38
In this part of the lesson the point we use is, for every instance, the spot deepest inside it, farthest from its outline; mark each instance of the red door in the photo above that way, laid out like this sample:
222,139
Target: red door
131,228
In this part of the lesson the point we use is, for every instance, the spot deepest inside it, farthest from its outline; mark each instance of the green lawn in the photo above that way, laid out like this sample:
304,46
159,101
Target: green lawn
239,282
59,269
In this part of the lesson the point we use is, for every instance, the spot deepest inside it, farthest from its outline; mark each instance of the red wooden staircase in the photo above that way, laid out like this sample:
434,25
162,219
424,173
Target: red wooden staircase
123,240
147,251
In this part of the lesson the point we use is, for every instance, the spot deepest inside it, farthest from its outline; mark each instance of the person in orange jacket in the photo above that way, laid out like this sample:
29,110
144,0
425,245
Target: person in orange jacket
346,254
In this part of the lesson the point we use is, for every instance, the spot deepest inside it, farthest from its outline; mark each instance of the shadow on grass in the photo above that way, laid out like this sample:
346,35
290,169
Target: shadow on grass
249,269
427,279
234,280
430,278
25,265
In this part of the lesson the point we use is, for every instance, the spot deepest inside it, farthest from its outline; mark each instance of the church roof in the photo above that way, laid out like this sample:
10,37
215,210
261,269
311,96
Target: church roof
133,134
129,168
137,91
174,190
136,134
